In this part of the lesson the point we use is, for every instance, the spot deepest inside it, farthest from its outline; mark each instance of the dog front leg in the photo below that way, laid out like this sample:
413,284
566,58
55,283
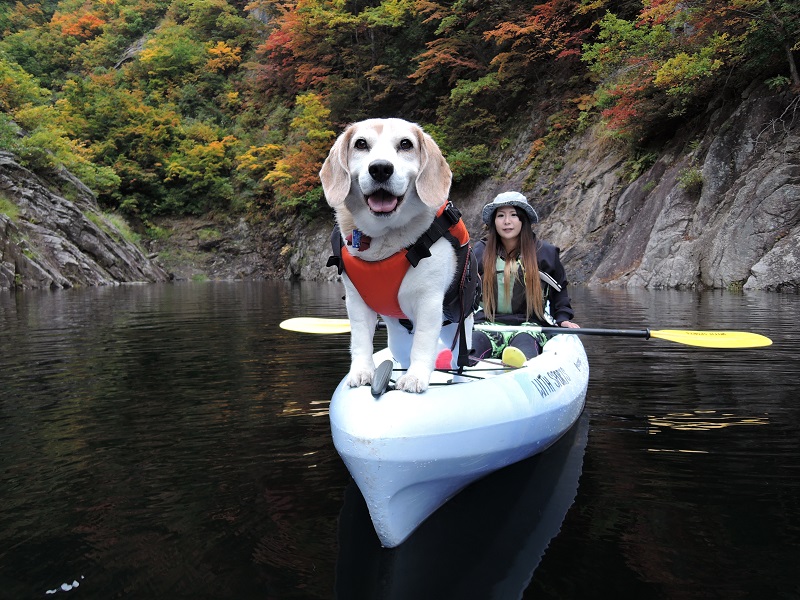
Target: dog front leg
362,331
423,351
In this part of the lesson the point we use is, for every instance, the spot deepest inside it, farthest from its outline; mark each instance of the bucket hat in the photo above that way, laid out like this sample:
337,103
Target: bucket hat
509,199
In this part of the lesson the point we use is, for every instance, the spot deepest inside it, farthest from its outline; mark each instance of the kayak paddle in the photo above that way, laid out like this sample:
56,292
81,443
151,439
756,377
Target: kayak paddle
703,339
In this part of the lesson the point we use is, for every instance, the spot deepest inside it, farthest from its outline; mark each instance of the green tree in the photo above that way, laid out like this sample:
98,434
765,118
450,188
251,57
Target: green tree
625,58
667,62
771,33
295,174
172,57
198,172
18,88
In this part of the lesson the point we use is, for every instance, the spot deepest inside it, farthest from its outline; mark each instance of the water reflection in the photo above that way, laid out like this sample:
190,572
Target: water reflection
170,441
701,420
483,544
143,445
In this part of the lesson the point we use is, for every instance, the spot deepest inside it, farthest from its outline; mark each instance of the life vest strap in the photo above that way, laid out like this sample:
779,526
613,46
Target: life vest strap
447,217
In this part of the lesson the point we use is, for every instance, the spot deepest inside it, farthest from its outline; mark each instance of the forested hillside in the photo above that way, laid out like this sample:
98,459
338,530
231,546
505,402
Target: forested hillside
181,107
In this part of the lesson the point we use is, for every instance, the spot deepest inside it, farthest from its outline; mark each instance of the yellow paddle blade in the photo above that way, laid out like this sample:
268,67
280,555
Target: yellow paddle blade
713,339
316,325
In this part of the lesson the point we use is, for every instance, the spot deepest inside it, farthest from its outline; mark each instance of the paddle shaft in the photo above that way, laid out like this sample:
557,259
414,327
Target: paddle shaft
637,333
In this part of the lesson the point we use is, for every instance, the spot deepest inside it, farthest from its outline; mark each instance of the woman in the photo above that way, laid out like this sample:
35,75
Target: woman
523,282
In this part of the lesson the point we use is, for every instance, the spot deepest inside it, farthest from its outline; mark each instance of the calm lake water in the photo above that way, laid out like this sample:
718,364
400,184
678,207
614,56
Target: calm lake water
170,441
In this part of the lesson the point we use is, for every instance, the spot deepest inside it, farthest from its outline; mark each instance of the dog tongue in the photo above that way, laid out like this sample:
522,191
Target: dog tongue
382,202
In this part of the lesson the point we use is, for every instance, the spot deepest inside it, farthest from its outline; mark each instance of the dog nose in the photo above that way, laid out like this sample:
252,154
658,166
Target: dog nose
381,170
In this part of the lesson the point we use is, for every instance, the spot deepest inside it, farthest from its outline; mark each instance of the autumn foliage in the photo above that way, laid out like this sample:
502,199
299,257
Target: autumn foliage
660,67
186,106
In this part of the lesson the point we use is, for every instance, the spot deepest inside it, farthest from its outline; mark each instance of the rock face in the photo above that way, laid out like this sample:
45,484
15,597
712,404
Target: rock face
740,216
49,241
220,248
718,208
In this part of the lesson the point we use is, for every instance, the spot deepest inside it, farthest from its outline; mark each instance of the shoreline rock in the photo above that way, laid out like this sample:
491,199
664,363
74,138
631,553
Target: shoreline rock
50,241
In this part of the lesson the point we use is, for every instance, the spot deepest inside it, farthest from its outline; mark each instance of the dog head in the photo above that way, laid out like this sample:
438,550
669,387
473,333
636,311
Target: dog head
383,172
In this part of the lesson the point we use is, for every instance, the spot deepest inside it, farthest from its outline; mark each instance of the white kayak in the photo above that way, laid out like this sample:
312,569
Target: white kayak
410,453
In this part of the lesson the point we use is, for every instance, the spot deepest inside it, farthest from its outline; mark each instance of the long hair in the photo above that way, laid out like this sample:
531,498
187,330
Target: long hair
526,254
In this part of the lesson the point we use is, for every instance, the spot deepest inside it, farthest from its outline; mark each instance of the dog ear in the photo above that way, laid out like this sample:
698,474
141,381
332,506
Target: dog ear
335,174
433,180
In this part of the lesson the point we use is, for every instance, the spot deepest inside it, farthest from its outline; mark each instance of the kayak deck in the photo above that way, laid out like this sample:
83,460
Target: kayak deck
410,453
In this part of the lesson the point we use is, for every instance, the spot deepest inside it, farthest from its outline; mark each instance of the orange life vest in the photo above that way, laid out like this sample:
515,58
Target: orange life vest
378,282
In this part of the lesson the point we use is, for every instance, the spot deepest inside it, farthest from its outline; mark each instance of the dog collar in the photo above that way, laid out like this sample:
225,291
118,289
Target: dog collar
358,240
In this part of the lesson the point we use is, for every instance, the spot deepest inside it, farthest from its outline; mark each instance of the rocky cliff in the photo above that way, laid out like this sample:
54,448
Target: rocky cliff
720,207
50,241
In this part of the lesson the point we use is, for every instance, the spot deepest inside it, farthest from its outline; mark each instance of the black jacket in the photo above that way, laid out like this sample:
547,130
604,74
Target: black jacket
550,263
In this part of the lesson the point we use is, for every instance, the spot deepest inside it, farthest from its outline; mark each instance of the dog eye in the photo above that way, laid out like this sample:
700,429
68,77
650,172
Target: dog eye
361,144
406,144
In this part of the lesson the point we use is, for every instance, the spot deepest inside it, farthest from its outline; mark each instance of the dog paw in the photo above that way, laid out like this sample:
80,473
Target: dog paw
413,383
358,377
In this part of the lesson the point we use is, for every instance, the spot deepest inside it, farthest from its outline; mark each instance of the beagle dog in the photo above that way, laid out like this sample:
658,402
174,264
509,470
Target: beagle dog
388,182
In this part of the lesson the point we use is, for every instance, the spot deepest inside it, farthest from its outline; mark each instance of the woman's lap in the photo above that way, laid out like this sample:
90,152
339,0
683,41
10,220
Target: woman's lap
491,344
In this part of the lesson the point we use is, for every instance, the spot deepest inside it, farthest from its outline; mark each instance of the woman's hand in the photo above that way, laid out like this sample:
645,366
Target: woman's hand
569,324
